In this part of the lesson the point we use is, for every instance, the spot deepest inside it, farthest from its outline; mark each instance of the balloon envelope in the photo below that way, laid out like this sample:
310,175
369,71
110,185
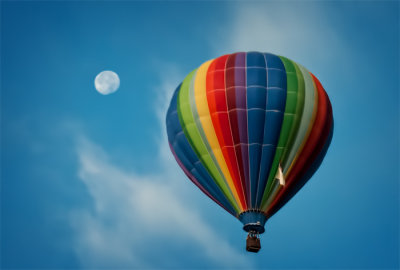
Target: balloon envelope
249,130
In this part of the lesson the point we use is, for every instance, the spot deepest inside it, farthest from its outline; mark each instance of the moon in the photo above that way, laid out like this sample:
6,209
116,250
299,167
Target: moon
106,82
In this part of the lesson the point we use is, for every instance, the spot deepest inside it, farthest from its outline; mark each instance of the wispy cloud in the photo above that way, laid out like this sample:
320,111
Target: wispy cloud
300,31
143,220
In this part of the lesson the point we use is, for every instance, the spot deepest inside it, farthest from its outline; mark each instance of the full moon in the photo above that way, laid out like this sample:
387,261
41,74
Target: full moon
106,82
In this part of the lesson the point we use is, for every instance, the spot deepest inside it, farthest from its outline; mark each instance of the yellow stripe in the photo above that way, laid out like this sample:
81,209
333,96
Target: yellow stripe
200,95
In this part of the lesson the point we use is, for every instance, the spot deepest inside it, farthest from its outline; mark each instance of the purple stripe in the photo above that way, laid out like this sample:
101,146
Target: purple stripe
240,89
235,74
244,128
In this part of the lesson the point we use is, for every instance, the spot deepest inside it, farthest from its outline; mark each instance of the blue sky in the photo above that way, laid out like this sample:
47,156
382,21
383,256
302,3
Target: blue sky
87,181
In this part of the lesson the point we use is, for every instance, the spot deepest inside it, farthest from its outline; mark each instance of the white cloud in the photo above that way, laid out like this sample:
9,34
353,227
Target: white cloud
300,31
144,221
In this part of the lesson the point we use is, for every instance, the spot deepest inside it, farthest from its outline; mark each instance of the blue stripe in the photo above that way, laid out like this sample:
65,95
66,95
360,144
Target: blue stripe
275,108
256,82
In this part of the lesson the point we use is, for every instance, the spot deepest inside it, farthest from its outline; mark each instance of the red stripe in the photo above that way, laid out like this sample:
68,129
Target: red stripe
216,97
315,142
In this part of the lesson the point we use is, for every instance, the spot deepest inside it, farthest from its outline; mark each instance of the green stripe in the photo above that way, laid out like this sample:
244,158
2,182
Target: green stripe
294,101
310,99
193,135
297,114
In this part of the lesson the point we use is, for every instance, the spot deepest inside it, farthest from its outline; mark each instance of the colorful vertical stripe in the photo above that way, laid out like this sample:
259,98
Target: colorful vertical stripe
249,129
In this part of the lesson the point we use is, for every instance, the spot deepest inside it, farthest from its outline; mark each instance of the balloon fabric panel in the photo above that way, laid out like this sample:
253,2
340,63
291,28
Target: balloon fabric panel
191,132
256,85
287,124
199,103
293,114
219,106
306,123
218,111
188,160
298,90
235,77
274,111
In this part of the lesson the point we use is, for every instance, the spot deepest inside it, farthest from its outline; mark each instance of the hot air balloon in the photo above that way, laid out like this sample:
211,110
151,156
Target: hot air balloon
249,129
